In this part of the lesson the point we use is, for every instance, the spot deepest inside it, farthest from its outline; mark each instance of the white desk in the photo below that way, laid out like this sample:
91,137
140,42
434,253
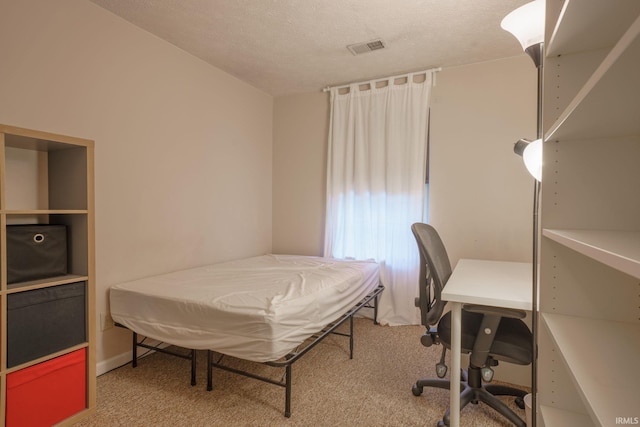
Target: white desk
492,283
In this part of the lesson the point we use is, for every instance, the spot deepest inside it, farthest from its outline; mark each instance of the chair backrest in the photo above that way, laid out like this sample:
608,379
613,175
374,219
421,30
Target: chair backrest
435,270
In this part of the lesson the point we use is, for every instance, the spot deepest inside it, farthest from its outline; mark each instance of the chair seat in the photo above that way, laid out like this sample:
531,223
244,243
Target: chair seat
513,341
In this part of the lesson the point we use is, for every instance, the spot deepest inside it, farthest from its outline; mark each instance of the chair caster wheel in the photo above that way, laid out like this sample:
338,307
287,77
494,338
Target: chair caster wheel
417,391
519,401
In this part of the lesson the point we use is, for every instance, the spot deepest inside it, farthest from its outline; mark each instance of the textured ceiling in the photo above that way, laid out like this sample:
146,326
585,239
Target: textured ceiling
293,46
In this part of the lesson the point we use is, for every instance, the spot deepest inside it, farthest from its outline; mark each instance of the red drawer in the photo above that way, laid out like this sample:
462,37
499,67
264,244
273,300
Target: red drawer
47,393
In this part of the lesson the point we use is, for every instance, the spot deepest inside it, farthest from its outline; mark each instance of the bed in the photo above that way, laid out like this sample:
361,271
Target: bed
269,309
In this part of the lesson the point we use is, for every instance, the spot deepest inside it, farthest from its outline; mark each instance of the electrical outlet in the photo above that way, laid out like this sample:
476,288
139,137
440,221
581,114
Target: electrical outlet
106,321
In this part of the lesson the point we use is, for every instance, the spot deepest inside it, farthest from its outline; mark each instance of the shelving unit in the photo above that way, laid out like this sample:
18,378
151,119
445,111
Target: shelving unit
48,179
590,251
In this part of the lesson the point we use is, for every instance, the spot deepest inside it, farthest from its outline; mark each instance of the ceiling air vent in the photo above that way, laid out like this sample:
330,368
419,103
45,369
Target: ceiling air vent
360,48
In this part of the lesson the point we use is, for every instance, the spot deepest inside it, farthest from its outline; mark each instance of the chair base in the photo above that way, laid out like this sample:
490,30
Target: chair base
473,391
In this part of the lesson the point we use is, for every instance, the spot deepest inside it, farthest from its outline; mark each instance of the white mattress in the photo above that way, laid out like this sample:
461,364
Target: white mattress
257,309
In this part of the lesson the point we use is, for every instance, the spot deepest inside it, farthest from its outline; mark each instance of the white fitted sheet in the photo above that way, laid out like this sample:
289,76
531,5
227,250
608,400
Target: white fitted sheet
258,308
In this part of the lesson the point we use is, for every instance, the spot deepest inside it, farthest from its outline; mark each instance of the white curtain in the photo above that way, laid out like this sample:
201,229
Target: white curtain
375,185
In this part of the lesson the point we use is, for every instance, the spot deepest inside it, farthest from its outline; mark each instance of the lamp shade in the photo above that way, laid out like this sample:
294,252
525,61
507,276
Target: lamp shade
532,157
526,23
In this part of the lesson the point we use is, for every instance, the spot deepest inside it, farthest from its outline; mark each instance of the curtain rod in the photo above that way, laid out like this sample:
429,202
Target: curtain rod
328,88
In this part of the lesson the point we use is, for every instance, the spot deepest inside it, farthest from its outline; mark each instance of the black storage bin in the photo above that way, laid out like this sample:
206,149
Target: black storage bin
36,252
43,321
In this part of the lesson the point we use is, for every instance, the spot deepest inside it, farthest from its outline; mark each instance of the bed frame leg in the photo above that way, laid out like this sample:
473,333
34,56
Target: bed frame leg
350,337
209,370
193,367
287,399
134,351
375,310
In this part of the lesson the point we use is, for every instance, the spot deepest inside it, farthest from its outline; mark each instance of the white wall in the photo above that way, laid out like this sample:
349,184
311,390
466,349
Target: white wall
301,128
182,150
481,196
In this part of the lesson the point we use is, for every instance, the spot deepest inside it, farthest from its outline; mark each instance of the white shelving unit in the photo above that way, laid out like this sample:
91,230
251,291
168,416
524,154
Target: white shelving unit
618,249
589,340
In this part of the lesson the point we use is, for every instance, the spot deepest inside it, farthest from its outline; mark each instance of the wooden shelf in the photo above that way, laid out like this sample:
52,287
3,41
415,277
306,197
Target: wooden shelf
617,249
605,375
46,212
45,283
28,139
47,357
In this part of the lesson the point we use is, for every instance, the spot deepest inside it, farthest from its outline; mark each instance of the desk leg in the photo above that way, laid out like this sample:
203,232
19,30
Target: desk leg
456,349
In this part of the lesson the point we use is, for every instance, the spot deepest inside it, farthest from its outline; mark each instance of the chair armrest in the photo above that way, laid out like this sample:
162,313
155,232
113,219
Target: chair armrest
514,313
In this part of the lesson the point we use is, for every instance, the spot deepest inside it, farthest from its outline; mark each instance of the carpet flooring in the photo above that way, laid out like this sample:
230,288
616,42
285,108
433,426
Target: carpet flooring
329,389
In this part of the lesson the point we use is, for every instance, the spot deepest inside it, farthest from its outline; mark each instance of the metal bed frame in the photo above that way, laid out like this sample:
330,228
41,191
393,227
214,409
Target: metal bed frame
285,362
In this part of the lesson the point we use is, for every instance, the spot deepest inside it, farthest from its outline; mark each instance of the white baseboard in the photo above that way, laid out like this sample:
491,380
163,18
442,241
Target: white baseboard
114,362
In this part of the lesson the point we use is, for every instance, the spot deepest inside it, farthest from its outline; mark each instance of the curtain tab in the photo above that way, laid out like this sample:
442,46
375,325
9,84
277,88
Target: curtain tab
433,72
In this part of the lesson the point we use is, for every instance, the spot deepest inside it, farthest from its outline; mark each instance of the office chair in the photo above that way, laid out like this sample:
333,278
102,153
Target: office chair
504,336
